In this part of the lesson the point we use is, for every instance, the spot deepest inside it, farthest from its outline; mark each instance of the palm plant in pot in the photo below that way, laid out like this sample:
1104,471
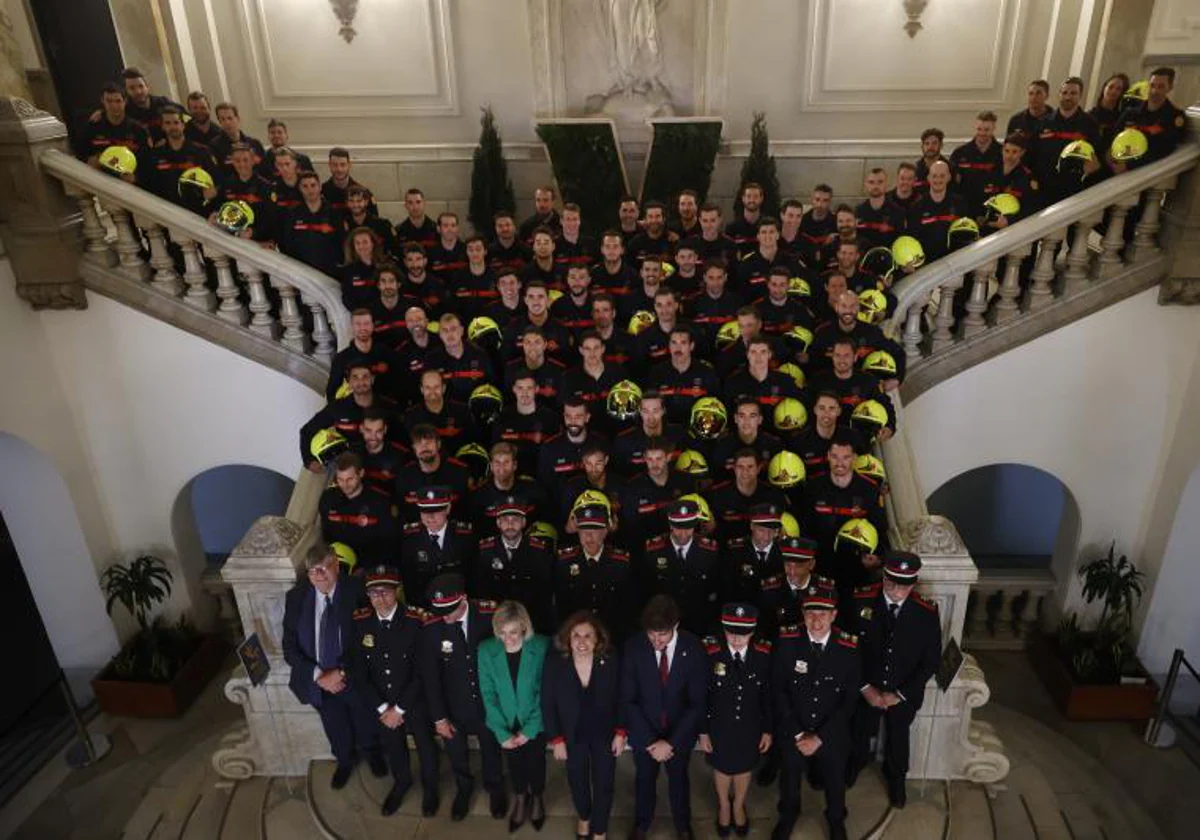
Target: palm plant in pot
164,666
1092,671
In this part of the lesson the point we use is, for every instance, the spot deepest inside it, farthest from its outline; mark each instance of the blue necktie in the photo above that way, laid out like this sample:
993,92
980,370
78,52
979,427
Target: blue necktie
331,648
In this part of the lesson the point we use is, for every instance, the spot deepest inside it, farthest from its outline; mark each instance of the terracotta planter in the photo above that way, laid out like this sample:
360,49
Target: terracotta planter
129,698
1079,701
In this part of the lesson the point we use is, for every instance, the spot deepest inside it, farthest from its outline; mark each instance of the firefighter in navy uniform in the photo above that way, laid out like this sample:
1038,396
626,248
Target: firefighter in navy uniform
815,679
686,566
345,414
312,233
1066,124
358,515
736,502
114,127
385,673
162,166
242,183
416,228
518,567
783,605
739,725
754,565
647,497
900,637
1158,118
429,468
382,458
435,545
594,575
450,676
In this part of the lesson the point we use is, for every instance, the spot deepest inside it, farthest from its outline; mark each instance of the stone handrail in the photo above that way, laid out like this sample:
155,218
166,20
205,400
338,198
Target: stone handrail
246,273
989,271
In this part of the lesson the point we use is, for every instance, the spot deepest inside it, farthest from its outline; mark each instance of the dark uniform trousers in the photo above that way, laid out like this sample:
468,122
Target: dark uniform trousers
815,692
899,654
386,673
450,673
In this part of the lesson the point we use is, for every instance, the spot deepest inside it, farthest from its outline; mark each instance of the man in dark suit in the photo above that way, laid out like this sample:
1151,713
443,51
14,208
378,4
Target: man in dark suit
435,545
318,634
664,686
450,675
901,643
815,677
385,673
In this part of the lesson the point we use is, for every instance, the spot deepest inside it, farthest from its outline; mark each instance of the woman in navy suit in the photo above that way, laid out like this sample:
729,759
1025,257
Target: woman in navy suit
580,716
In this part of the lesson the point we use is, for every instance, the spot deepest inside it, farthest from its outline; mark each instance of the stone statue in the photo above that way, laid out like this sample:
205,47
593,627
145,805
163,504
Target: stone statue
630,30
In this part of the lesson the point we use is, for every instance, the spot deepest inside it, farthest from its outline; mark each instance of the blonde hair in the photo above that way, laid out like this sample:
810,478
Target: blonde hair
512,612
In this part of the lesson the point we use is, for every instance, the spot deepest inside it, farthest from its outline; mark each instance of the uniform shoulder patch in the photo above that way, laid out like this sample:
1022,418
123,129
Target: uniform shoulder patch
412,528
868,591
736,542
762,645
413,611
430,619
711,645
707,543
463,528
619,554
487,607
922,601
789,631
488,542
363,612
656,543
538,542
772,583
568,552
847,639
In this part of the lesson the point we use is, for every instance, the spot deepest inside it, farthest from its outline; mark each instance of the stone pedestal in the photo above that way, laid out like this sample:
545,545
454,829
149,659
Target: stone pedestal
39,224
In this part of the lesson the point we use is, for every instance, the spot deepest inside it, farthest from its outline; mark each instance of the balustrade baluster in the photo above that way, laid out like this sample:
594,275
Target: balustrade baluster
1145,235
97,249
289,315
129,249
230,309
994,613
974,322
166,278
194,275
1008,303
912,330
322,335
1076,275
1114,238
943,322
261,320
1042,277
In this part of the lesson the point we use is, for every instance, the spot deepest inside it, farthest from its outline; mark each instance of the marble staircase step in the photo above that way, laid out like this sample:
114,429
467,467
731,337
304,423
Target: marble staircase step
970,812
1010,818
207,818
244,816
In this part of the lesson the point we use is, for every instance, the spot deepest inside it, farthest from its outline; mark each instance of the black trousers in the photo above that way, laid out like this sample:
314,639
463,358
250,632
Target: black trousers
897,723
527,766
830,762
590,772
646,794
348,725
395,747
489,751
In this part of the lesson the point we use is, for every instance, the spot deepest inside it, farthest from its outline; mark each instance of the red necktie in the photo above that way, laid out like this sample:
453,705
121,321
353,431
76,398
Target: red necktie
663,667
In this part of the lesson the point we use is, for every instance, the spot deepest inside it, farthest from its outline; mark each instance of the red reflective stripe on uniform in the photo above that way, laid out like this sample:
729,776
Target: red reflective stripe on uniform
315,227
462,374
359,519
944,217
841,511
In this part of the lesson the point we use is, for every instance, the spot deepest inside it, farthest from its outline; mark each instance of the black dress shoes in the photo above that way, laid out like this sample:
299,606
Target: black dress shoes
391,803
462,804
430,803
537,812
341,776
499,803
519,812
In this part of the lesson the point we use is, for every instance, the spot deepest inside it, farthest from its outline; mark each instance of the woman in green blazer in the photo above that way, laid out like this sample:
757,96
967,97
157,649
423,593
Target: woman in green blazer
510,679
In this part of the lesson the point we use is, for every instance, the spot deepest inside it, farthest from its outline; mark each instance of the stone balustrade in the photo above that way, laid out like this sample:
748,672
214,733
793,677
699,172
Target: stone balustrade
1005,608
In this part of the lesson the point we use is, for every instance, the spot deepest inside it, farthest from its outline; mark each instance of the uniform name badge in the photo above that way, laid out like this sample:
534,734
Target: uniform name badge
866,613
801,666
747,570
719,669
447,646
422,556
497,564
662,562
574,570
368,641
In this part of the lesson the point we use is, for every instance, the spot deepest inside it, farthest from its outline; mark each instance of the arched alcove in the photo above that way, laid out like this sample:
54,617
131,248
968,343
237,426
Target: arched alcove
1012,516
48,539
212,513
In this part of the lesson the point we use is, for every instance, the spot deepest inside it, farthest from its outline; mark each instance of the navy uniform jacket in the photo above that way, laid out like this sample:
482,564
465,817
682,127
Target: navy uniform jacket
646,702
747,579
815,693
904,660
528,577
693,583
602,586
739,707
561,694
385,661
366,523
300,632
448,667
421,560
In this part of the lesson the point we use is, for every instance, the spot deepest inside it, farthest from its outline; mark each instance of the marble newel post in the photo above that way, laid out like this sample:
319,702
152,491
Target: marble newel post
281,736
946,742
39,223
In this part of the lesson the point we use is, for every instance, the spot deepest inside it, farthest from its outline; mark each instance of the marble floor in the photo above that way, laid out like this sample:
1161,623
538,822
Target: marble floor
1069,781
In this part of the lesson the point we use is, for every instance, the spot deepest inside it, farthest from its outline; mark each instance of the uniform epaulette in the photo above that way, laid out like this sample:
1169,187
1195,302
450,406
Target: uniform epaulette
869,479
554,436
363,612
464,528
720,485
625,432
772,583
413,611
378,492
708,543
538,542
736,542
488,542
762,645
430,619
927,604
486,607
656,543
747,256
789,631
412,528
568,552
868,591
711,645
456,462
847,639
619,554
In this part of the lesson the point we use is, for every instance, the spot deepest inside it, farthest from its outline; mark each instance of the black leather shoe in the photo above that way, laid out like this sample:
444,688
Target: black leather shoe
499,803
724,830
430,803
341,776
767,773
898,793
742,830
462,804
519,812
537,812
391,803
378,765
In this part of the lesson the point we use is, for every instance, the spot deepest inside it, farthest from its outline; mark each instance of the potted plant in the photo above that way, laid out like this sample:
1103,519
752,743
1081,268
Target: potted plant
165,666
1092,673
